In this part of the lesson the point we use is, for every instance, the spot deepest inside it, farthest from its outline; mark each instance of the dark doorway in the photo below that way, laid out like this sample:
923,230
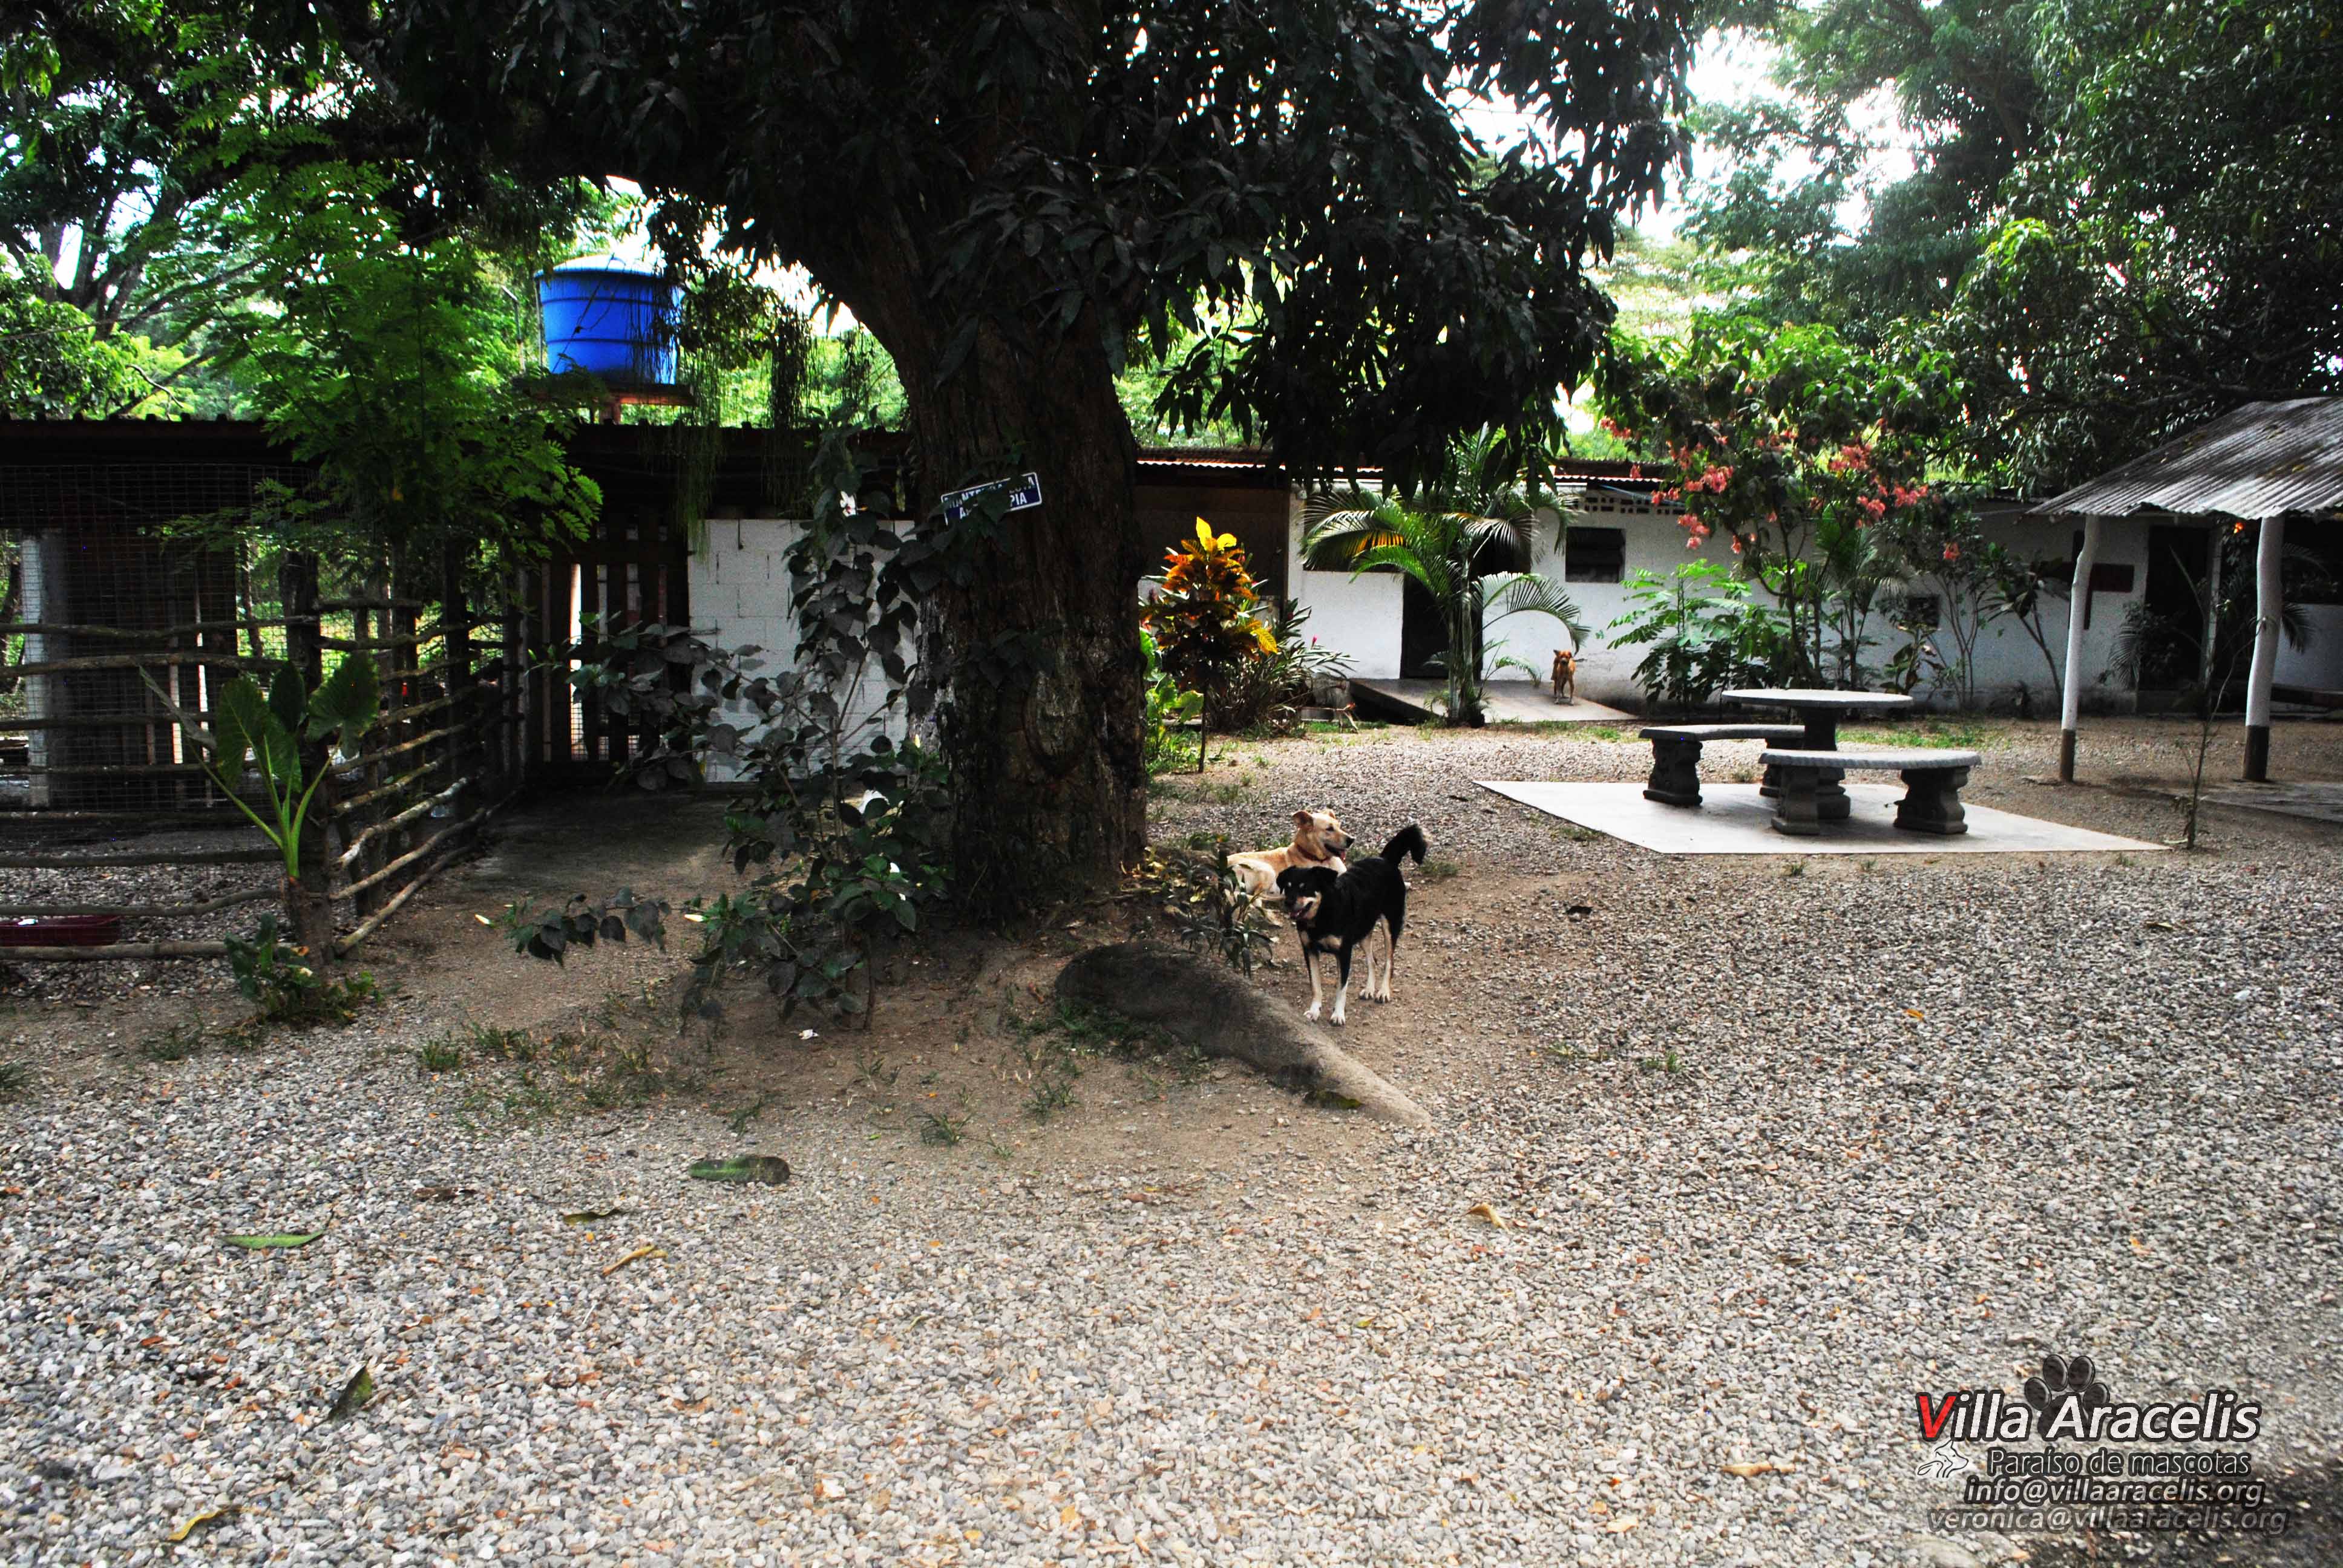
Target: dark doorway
1423,637
2172,609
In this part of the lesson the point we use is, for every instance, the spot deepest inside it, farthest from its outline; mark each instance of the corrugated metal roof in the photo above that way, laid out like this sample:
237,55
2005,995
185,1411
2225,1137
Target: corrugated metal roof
2261,461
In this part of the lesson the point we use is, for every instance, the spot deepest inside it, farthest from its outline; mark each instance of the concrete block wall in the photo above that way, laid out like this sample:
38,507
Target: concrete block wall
739,586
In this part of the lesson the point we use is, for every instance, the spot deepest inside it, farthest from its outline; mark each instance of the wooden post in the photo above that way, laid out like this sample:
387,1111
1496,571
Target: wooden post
513,705
403,623
220,574
2070,705
2270,604
467,699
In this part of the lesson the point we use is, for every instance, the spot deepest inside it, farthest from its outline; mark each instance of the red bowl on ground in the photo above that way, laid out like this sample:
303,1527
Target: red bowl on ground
59,930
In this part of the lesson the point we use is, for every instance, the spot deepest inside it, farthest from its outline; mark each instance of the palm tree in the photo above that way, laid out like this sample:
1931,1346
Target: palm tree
1480,508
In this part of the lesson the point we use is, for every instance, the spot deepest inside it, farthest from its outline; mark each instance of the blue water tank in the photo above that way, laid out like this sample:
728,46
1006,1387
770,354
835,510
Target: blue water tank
610,318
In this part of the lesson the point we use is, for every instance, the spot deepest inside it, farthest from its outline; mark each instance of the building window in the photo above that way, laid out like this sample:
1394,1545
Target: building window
1922,612
1595,555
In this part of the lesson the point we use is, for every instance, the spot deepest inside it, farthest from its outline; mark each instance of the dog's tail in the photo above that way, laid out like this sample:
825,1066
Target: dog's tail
1408,840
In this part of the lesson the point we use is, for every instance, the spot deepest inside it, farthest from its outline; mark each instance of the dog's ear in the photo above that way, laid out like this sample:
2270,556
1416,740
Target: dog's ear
1301,818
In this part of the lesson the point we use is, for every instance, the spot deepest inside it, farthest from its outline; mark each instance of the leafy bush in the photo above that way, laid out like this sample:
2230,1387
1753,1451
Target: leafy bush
1168,709
262,736
1266,692
1209,909
273,976
1704,632
855,827
1205,618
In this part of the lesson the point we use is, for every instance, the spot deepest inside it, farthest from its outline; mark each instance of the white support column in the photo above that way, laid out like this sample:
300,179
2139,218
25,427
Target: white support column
2269,601
2070,701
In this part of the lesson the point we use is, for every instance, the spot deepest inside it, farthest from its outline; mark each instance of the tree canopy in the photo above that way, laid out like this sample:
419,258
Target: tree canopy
1277,199
2124,216
1286,180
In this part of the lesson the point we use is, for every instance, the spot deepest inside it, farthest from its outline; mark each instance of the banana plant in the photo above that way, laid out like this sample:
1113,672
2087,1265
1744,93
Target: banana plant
265,733
257,732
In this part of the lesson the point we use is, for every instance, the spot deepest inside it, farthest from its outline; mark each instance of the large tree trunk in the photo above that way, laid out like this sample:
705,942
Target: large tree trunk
1041,710
1036,654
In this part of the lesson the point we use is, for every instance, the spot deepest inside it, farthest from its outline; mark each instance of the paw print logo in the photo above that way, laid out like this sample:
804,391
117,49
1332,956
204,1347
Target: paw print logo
1945,1462
2063,1382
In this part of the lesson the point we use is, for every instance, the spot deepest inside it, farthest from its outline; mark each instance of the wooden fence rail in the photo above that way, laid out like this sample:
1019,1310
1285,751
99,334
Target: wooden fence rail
95,748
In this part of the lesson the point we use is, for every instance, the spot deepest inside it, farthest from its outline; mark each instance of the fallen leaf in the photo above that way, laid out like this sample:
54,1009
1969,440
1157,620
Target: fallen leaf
283,1238
1913,1012
441,1195
769,1169
1487,1212
195,1522
1332,1099
587,1216
1068,1515
636,1256
1746,1468
1621,1525
354,1395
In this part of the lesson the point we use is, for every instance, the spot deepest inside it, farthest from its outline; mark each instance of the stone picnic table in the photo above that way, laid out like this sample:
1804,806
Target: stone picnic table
1820,712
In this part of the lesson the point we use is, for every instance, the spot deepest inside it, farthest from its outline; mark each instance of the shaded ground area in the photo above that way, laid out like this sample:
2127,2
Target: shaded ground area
1507,701
1775,1143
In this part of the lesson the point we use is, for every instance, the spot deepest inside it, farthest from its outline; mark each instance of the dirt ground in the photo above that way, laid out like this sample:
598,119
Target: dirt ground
967,1047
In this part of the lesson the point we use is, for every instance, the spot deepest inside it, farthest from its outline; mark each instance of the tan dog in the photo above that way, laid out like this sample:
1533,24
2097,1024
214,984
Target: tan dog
1565,676
1318,840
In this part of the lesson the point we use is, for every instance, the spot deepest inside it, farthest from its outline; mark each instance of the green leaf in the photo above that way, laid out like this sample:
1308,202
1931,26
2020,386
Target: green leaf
769,1169
347,702
354,1395
275,1240
289,704
242,715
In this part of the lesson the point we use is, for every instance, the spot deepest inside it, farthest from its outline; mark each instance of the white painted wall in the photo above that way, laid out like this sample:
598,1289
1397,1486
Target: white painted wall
1360,616
2321,663
740,589
1356,616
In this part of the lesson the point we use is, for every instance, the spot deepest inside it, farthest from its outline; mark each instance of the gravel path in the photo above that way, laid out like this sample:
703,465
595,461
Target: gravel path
1772,1152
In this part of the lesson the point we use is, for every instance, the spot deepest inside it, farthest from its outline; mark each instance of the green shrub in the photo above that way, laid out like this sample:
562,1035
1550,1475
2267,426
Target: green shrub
444,1055
270,974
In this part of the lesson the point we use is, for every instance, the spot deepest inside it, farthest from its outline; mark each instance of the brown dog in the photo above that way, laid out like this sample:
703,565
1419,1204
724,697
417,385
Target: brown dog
1565,676
1318,840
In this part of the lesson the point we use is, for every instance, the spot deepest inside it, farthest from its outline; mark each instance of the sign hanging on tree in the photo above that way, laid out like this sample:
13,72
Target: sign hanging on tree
1023,493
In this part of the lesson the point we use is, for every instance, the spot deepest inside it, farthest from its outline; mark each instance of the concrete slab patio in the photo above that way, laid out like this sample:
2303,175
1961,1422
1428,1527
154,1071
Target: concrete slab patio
2313,801
1734,819
1509,702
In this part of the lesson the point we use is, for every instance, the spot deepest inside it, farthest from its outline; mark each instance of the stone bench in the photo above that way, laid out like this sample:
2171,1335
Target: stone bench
1676,754
1933,780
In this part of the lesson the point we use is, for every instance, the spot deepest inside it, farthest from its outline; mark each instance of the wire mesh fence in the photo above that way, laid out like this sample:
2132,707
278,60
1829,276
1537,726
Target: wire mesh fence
132,598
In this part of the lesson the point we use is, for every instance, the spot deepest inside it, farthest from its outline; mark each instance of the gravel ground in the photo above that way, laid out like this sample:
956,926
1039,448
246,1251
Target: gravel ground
1773,1150
134,887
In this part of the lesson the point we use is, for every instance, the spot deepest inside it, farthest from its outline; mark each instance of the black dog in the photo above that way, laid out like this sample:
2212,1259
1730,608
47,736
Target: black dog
1335,913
